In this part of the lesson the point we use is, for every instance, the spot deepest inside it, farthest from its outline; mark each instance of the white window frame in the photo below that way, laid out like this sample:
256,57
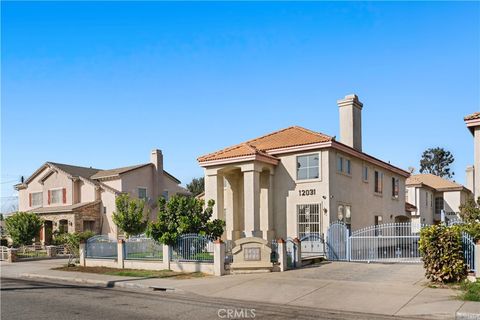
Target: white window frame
395,184
308,167
146,193
61,195
41,199
365,172
380,179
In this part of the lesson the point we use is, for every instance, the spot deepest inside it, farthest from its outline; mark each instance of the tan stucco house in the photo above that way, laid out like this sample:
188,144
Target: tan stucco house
431,194
72,198
296,181
473,172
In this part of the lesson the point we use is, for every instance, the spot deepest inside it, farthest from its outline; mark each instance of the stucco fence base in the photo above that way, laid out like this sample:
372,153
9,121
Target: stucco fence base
145,264
192,267
109,263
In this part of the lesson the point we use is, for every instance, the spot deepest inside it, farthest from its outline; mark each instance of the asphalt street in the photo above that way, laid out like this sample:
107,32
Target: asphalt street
26,299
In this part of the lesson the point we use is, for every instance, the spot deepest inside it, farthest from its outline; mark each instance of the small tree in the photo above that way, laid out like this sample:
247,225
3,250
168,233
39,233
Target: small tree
437,161
182,215
129,215
23,227
197,186
470,211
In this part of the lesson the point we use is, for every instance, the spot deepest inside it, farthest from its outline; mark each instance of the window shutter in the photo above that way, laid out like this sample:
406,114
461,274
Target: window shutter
48,196
64,195
30,199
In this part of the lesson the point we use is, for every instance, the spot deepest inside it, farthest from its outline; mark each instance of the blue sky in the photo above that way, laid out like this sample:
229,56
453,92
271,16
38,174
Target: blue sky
101,84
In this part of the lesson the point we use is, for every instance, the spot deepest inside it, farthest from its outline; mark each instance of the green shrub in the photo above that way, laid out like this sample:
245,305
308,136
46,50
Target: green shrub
72,240
22,227
470,291
473,229
442,255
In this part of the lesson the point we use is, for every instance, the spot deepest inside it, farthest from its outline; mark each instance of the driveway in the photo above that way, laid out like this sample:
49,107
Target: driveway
385,289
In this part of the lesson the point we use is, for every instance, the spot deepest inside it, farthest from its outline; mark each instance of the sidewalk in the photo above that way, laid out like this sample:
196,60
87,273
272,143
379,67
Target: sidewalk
398,290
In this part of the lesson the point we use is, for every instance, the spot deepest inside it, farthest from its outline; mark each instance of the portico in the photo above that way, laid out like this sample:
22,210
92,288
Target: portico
243,194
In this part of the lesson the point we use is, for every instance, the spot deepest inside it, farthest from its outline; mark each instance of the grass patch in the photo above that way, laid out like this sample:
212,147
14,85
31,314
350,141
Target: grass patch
133,272
470,291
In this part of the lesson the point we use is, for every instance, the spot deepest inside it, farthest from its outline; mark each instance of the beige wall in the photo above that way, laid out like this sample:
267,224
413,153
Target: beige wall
108,201
359,194
329,190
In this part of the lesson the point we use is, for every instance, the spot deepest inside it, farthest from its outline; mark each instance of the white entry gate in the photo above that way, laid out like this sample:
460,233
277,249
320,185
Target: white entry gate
392,242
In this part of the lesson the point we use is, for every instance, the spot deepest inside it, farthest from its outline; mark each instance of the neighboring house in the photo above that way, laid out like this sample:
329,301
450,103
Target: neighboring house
431,194
296,181
473,172
73,199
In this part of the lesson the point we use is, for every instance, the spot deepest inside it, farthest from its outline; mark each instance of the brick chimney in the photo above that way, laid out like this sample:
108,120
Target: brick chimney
350,109
156,158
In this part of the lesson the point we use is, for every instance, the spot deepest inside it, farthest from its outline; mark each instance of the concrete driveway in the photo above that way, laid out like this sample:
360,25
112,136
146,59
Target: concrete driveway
387,289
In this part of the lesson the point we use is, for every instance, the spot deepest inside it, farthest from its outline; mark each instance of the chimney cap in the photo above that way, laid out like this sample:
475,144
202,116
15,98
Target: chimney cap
156,151
350,99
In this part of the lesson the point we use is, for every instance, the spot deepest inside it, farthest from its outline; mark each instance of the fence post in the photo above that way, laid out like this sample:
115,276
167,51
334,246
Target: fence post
120,252
282,254
166,256
82,254
12,255
218,257
477,258
51,251
297,259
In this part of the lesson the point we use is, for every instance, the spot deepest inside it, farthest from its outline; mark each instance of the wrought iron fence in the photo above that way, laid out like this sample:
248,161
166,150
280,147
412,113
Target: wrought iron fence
101,247
337,242
193,247
468,246
142,248
274,254
31,252
391,242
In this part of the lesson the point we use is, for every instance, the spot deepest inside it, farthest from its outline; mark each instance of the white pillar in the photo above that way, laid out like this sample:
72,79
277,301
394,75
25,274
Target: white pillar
214,191
282,254
297,258
251,189
476,148
166,257
219,258
82,254
120,253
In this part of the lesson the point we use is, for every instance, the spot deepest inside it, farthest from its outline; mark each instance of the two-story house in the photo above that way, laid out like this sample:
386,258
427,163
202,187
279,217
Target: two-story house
74,199
296,181
473,172
431,194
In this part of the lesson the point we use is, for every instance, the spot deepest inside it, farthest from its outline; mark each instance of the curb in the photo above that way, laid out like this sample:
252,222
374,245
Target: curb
467,316
107,284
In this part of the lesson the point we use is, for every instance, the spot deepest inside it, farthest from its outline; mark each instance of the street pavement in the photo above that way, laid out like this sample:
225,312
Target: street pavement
380,289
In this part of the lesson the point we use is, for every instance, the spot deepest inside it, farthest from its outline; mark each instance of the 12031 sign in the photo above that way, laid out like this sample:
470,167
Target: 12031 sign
307,192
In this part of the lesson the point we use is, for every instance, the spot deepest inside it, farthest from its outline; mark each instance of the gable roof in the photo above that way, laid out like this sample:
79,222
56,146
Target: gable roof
116,171
434,182
89,174
288,137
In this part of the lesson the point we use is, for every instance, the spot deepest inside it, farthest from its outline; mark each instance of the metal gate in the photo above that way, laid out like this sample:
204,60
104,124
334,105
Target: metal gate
312,245
292,252
391,242
468,246
337,242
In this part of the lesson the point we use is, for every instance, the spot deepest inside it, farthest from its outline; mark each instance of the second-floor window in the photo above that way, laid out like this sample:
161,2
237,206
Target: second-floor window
378,182
142,193
438,205
365,173
395,187
56,196
308,167
37,199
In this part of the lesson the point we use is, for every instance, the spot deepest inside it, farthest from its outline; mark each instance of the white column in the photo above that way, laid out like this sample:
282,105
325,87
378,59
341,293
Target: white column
166,257
266,206
219,258
120,251
82,254
251,189
282,254
214,191
476,171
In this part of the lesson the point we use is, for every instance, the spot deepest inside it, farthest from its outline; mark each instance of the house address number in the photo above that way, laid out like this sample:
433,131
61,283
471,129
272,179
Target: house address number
307,192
